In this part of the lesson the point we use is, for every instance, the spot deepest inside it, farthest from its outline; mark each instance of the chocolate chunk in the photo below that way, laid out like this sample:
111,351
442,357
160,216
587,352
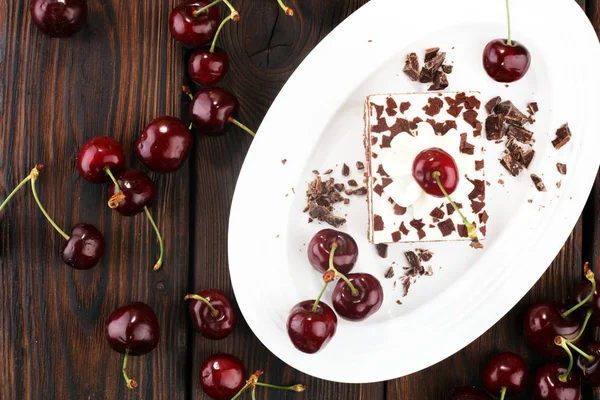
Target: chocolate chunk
472,102
447,68
563,135
378,189
483,230
433,107
316,172
519,133
391,105
360,165
490,105
465,147
382,250
424,255
316,211
511,113
334,221
284,161
454,110
417,223
462,230
405,105
403,228
399,210
405,286
352,182
396,236
478,189
411,66
414,265
483,217
446,227
460,97
346,201
373,140
385,182
450,209
537,181
494,127
378,110
562,168
479,164
345,170
430,53
421,234
378,224
401,125
339,187
431,66
381,126
477,206
527,157
532,108
470,116
329,171
513,147
381,171
361,191
437,213
511,164
442,128
440,81
390,273
398,301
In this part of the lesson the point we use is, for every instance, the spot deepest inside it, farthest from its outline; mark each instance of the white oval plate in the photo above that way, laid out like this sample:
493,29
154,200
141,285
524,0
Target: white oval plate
316,123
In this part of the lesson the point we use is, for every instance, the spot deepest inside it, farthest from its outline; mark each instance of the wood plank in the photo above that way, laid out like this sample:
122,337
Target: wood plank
266,47
110,79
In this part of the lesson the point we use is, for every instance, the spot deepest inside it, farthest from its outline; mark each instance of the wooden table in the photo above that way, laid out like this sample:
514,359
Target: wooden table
111,79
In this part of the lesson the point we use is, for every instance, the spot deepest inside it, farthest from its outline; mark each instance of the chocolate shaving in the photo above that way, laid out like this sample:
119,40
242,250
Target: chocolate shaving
399,210
334,221
434,106
477,206
391,106
378,110
479,165
421,234
446,227
404,106
470,116
414,265
447,68
490,105
563,135
390,273
450,209
352,182
462,230
465,147
532,108
454,110
431,53
472,102
424,255
403,228
417,223
378,189
405,280
537,181
440,81
381,171
320,197
378,224
527,157
382,250
361,191
381,126
339,187
360,165
345,170
478,189
562,168
511,165
520,134
483,217
437,213
431,67
411,66
396,236
329,171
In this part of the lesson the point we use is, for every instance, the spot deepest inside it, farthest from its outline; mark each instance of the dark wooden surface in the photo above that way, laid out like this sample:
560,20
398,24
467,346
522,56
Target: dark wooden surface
112,79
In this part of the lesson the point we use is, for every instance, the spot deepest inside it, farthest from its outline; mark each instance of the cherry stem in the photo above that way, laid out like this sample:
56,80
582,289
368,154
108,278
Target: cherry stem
159,263
34,175
296,388
37,169
502,392
251,382
253,393
560,341
316,305
214,42
234,14
198,12
188,91
588,314
588,357
286,9
244,127
131,384
116,198
213,310
191,126
589,274
470,227
508,41
113,179
334,247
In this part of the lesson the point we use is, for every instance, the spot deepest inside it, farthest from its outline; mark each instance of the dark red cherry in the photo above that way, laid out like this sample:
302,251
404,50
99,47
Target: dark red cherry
164,145
505,372
544,322
361,305
222,376
206,68
133,328
548,386
84,248
504,62
59,18
211,110
589,371
193,30
345,255
139,191
468,393
311,331
215,321
98,154
435,159
581,291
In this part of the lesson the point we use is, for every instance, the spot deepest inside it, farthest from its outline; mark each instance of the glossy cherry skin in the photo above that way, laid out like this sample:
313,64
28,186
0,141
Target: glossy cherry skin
504,63
211,326
581,291
547,386
85,247
59,18
139,191
211,110
589,372
206,68
505,370
435,159
97,154
361,306
164,145
222,376
544,322
194,31
311,331
133,327
468,393
319,249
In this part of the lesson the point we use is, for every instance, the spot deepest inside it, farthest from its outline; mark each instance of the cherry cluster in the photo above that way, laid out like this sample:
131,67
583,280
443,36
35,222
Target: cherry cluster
555,331
312,323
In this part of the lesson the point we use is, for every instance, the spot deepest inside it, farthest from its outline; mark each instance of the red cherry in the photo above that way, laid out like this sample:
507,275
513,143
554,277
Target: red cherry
222,376
429,161
309,330
212,314
139,191
360,305
589,370
97,155
193,28
84,248
468,393
504,62
505,372
59,18
164,145
548,386
206,67
319,250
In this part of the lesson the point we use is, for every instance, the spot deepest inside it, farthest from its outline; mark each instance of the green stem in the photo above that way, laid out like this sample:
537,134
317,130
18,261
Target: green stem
588,357
508,41
160,240
286,9
188,91
214,42
113,179
238,394
588,297
231,9
244,127
213,311
253,393
191,126
198,12
503,393
334,247
15,190
588,314
314,307
131,384
470,227
295,388
562,343
43,210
